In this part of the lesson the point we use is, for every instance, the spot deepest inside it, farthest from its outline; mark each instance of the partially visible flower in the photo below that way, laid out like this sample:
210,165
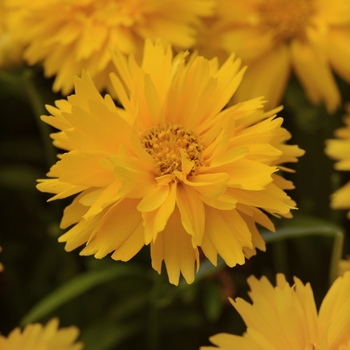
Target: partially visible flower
339,149
276,37
344,266
10,49
285,317
173,169
1,265
38,337
68,36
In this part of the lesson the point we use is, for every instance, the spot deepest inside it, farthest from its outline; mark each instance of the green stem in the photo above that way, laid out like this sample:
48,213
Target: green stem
322,229
153,316
279,254
38,110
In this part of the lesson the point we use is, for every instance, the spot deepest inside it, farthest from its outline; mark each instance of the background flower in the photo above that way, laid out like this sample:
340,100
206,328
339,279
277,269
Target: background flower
68,36
36,336
275,37
339,149
285,317
172,169
11,49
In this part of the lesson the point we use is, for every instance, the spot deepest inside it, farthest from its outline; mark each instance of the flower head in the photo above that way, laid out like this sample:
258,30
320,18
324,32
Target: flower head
285,317
38,337
275,37
68,36
339,149
172,169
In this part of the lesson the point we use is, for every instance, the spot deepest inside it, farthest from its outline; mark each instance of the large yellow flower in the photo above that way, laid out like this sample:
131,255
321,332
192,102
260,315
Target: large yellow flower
38,337
173,169
71,35
275,37
339,149
285,317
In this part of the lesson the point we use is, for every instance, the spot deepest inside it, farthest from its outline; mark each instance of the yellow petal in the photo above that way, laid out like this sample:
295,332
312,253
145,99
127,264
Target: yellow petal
119,230
174,246
192,213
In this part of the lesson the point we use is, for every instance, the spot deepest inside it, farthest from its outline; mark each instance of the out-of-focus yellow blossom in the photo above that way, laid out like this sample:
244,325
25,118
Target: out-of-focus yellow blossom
276,37
173,169
344,266
285,317
38,337
68,36
1,265
339,149
10,49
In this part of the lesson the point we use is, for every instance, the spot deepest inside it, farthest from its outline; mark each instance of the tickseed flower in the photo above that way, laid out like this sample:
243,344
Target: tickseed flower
36,336
173,169
285,317
339,149
68,36
1,265
277,37
344,266
10,49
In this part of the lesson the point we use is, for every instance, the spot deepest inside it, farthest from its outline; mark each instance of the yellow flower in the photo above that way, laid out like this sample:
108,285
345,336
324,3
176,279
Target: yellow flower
344,266
173,169
38,337
68,36
11,49
276,37
339,149
1,265
285,317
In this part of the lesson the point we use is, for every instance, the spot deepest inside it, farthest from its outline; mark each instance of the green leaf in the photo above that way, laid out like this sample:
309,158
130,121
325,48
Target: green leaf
212,302
19,177
304,225
108,335
77,286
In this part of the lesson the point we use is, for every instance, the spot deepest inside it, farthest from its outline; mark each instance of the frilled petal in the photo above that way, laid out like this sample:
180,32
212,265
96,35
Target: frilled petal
120,231
266,76
174,246
315,75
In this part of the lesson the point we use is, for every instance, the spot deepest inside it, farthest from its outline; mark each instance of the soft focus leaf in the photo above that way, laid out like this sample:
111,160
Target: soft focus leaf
19,177
75,287
108,335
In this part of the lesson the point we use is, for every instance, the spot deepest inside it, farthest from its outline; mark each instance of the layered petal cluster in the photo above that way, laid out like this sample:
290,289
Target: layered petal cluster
171,169
68,36
285,317
38,337
276,37
339,149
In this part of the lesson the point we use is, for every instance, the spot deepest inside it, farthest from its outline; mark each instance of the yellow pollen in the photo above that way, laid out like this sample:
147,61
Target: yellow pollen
164,144
286,18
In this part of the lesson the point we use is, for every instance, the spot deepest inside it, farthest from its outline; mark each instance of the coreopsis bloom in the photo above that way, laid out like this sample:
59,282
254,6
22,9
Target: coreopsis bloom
285,317
344,266
277,37
11,49
1,265
36,336
68,36
339,149
172,169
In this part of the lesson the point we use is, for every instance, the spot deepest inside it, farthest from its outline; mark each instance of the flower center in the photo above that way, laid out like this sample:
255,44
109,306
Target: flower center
286,18
164,144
